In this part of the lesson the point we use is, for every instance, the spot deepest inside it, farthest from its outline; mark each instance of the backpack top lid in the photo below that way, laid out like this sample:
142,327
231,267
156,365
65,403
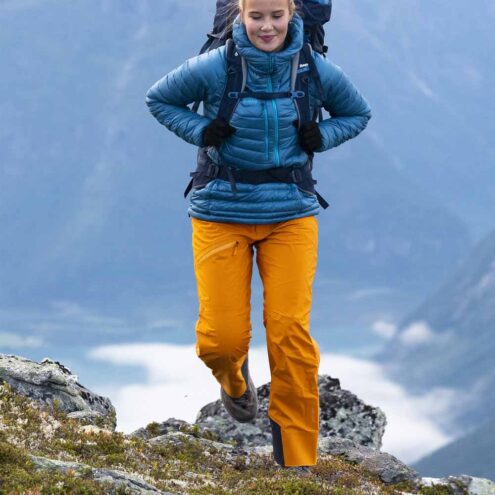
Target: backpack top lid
315,13
225,14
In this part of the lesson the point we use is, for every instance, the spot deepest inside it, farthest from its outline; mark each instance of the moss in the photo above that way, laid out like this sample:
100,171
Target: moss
183,467
443,490
409,486
269,487
153,429
18,474
405,486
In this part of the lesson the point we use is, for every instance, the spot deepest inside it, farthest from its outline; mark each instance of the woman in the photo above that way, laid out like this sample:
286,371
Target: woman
276,218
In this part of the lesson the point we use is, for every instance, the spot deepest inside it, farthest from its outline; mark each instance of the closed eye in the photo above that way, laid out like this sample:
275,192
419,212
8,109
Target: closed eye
275,17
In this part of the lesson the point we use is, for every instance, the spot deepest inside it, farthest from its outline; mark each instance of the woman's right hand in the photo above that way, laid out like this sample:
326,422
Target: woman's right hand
216,131
309,136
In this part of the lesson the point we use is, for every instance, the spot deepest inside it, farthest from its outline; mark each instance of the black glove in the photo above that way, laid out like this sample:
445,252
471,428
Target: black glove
309,136
216,131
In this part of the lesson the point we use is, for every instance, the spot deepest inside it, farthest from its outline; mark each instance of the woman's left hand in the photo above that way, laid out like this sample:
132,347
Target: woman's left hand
309,136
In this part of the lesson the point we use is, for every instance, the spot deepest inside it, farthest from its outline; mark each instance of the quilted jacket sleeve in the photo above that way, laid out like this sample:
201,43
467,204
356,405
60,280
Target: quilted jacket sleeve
168,98
349,111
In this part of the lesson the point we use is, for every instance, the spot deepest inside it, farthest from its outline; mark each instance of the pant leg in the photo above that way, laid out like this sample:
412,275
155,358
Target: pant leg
287,260
223,260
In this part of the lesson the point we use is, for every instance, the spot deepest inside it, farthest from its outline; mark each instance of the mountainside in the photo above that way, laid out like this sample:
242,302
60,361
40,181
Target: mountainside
472,453
428,80
449,340
56,436
92,186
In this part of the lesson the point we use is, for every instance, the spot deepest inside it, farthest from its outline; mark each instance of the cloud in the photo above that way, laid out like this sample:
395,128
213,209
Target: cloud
418,332
163,323
178,384
70,310
369,292
384,329
412,429
13,341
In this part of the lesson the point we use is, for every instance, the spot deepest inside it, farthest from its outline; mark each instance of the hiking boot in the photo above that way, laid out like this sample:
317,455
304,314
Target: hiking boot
245,407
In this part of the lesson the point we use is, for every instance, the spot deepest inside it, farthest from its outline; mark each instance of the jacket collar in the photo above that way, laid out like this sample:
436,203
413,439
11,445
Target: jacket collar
269,62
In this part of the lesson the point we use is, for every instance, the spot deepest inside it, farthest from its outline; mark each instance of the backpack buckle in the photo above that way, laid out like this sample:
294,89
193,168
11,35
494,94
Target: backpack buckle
212,170
297,94
296,175
233,94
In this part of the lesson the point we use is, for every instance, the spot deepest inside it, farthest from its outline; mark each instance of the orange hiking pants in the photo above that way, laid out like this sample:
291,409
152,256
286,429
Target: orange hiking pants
286,255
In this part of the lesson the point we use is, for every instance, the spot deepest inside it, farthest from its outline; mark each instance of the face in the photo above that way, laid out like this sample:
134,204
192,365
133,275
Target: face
267,23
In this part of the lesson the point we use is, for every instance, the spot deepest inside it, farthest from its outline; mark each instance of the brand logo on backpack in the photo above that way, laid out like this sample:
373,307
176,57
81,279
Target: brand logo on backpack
303,68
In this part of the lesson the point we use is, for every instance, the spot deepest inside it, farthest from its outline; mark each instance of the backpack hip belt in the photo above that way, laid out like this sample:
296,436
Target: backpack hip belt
207,170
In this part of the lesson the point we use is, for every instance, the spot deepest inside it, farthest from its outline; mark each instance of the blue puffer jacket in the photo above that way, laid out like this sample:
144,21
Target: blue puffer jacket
265,136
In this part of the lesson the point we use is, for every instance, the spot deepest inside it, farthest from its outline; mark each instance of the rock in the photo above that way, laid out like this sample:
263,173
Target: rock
342,414
233,455
117,478
157,429
48,381
459,484
386,466
92,429
178,438
481,486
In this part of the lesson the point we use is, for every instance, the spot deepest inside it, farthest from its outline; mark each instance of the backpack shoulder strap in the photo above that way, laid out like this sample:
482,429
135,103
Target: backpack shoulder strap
236,80
294,71
308,56
306,70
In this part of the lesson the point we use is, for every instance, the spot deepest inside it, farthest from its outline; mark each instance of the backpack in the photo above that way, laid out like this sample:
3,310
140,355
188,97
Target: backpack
315,13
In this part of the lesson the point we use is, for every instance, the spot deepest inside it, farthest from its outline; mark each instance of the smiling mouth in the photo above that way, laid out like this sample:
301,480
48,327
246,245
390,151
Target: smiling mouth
267,38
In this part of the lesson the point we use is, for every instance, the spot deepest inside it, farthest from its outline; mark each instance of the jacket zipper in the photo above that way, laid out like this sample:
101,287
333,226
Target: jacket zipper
265,111
216,249
275,115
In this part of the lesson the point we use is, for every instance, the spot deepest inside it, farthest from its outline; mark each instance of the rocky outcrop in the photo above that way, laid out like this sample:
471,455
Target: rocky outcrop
349,443
386,466
114,478
459,485
49,382
342,415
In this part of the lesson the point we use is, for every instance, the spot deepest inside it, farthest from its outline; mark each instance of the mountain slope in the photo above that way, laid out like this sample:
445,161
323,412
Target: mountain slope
92,201
473,453
449,340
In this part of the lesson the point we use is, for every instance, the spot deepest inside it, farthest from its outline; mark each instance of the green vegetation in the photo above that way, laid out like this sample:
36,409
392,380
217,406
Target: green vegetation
184,465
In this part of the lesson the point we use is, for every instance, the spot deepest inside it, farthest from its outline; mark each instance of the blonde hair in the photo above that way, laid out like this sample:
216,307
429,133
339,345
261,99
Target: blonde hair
292,6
